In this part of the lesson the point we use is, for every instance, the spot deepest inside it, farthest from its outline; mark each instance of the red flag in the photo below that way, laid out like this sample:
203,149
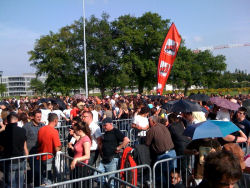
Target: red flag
167,56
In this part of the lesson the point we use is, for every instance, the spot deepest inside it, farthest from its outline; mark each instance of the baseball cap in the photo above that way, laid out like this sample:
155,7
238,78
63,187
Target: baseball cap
107,120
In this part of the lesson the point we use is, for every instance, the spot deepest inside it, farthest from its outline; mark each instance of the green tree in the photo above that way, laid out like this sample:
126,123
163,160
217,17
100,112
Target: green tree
3,88
37,86
102,54
52,56
202,69
139,42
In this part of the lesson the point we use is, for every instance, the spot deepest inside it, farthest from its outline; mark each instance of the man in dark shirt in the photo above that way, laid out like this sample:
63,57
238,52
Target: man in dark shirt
111,146
14,146
159,140
32,129
241,120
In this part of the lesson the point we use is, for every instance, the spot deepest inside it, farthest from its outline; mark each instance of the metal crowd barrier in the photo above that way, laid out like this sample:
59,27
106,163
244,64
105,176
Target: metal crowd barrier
64,173
121,124
113,179
162,169
134,139
63,135
24,171
124,125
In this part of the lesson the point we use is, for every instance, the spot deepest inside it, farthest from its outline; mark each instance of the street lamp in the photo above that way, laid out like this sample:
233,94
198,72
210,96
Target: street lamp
84,48
1,73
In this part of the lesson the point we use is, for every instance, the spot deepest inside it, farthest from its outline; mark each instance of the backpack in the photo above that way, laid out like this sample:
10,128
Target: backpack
126,162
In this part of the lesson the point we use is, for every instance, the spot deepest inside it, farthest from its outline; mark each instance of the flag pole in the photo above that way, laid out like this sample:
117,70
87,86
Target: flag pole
84,48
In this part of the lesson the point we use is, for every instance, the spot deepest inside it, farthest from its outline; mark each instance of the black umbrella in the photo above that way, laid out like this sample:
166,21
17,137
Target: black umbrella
167,106
58,101
199,97
42,100
184,105
153,97
4,103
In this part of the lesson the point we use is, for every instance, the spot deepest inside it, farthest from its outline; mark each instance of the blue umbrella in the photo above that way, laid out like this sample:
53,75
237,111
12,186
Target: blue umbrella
210,129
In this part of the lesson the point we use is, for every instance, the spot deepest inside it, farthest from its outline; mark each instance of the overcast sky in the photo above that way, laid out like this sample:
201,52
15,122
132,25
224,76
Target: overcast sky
201,24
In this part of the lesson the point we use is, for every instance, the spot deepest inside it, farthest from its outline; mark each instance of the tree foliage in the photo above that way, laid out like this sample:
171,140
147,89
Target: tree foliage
122,53
3,88
202,69
37,86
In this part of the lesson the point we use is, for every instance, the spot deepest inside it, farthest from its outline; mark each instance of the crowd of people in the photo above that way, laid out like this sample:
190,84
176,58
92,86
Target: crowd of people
28,126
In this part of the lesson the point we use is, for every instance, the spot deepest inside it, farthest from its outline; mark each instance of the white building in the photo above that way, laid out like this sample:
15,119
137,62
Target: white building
19,85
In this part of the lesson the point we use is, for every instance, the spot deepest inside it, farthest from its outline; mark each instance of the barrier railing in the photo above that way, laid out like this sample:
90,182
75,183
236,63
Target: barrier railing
121,124
134,139
162,169
25,171
63,135
121,177
117,181
64,172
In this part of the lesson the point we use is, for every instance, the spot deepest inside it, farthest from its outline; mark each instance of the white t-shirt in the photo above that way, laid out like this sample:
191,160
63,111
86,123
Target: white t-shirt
142,122
45,113
112,101
95,116
67,112
95,133
59,113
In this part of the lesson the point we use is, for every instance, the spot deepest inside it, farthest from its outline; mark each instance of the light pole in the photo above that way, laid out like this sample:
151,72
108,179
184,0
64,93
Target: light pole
1,73
84,48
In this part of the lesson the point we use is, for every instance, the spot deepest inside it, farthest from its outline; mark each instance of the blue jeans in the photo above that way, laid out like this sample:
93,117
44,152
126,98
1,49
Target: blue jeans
43,170
108,167
14,176
164,172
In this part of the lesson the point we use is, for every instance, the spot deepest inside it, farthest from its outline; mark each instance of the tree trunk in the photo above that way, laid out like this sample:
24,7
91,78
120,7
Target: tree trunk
122,91
140,87
102,92
186,90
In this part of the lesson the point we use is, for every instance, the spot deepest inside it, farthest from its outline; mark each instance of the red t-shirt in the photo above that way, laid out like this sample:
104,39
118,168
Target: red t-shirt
74,112
48,140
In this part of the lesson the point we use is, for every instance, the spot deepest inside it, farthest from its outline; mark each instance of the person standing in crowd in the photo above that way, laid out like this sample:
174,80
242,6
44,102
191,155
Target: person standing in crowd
59,113
111,146
141,124
81,150
45,112
94,112
200,148
221,169
48,142
75,111
96,136
241,121
32,129
15,145
72,137
161,147
123,111
107,112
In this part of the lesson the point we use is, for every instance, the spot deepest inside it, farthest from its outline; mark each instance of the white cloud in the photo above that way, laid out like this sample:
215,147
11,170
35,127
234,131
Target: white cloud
197,38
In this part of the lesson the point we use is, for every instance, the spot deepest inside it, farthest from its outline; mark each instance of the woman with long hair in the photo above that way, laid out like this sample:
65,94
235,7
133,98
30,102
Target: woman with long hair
81,150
